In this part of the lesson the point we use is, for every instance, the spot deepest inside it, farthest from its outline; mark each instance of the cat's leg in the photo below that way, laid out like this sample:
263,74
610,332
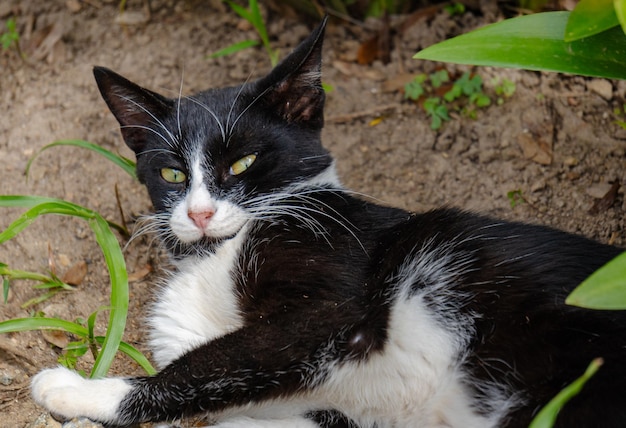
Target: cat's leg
260,363
246,422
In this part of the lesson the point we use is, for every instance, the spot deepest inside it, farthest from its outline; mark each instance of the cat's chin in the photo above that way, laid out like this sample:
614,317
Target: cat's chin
200,247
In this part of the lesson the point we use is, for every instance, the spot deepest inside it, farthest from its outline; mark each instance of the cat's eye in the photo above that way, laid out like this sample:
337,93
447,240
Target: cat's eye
242,164
173,175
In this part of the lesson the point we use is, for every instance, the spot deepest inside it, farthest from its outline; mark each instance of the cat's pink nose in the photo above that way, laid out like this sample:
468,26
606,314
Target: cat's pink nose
201,218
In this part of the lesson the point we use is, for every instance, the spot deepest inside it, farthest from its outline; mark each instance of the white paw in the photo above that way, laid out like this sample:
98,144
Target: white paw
65,393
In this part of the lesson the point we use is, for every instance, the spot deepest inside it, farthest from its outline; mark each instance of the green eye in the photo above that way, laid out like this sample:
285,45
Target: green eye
242,164
173,175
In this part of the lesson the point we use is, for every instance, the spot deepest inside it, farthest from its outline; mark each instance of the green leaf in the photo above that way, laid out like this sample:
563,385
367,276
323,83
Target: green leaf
604,289
547,416
235,47
590,17
535,42
620,12
126,164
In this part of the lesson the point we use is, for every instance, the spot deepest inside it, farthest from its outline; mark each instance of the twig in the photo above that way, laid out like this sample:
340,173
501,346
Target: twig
343,118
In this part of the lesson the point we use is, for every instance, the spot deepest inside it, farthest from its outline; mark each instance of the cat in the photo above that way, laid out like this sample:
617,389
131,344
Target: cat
298,303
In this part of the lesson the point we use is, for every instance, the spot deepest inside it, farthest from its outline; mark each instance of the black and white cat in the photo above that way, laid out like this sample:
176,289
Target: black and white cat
298,304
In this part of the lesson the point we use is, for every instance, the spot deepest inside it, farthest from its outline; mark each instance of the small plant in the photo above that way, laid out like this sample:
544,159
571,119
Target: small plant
504,89
50,282
464,95
455,9
10,38
437,112
515,197
252,14
104,348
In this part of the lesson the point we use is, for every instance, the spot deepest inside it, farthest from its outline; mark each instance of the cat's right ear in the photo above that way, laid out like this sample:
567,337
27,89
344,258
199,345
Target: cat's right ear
136,109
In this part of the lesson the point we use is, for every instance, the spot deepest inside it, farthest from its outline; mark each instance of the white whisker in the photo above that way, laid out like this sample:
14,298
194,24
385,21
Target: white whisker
130,100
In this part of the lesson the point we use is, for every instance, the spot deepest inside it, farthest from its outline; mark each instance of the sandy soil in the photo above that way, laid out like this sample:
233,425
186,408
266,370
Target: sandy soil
555,140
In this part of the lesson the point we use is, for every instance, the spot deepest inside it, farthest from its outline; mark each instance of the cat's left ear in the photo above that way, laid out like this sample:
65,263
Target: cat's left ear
136,109
294,88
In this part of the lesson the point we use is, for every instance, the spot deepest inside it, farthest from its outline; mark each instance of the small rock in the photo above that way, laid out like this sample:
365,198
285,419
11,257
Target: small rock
601,87
570,161
44,421
82,423
74,6
598,190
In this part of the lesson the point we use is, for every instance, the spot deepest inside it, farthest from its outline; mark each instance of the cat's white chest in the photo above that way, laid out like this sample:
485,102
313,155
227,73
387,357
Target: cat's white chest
198,303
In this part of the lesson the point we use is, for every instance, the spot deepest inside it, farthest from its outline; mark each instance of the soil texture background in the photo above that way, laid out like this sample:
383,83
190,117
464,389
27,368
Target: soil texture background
556,142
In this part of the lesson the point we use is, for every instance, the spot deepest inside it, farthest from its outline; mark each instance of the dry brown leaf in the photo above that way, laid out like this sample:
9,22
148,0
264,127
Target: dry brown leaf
368,51
56,338
76,273
140,273
536,148
397,82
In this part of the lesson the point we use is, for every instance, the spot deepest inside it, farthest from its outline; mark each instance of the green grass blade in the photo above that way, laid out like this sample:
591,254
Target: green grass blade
240,10
547,416
42,323
126,164
57,207
590,17
604,289
257,22
119,294
235,47
134,354
27,201
535,42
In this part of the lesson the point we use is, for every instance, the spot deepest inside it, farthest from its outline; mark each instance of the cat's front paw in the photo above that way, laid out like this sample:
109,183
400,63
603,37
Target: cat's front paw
68,395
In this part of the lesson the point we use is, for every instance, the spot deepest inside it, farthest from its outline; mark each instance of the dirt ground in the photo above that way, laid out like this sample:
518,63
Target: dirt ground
556,141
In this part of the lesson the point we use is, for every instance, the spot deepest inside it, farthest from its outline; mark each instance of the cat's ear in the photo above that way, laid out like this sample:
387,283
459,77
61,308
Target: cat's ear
137,109
294,88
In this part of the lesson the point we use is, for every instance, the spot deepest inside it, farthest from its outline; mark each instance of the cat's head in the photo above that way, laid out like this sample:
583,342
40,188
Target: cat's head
217,159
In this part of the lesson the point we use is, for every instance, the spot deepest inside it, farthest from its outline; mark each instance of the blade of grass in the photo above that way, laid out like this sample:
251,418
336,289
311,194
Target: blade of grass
42,323
28,201
134,354
126,164
547,416
235,47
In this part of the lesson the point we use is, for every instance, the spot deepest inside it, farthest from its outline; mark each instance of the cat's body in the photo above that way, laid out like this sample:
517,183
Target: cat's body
298,304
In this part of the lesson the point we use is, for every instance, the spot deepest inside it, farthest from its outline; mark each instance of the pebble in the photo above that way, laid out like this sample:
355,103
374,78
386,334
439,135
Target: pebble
82,423
598,190
601,87
44,421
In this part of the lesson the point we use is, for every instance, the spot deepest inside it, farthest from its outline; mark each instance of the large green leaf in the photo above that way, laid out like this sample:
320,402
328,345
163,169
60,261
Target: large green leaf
535,42
604,289
590,17
620,12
